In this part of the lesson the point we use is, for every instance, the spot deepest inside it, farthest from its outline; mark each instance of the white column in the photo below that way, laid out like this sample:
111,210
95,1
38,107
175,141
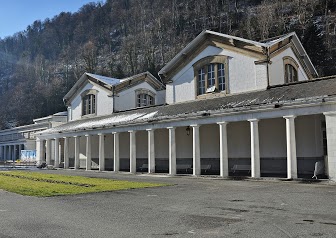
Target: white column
101,152
88,152
151,151
330,166
66,152
116,158
5,152
291,147
48,151
76,152
255,153
57,155
196,150
15,150
132,152
172,151
223,150
39,151
10,152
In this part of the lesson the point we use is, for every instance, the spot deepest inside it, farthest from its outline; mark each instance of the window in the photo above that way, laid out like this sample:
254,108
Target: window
291,70
211,74
89,102
144,98
201,81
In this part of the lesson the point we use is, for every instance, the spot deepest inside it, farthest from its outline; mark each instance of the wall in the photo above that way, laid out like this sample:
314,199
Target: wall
276,69
309,136
126,99
242,76
103,102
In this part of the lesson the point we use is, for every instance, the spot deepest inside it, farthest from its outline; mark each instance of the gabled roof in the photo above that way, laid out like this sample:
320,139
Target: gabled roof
249,45
108,83
313,91
104,79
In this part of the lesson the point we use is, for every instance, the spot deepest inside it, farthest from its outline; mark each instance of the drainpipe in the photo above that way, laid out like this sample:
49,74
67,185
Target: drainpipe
113,98
268,62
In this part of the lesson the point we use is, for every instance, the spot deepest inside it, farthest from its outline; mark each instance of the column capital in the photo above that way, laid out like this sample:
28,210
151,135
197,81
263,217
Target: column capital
76,136
65,137
289,117
329,113
115,133
253,120
131,131
171,127
150,129
87,135
195,125
222,123
100,134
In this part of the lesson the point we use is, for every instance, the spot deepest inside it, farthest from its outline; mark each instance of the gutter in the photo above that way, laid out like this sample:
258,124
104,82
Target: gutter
267,65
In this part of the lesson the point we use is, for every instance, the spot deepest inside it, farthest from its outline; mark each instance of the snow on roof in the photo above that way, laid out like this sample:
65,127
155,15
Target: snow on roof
105,121
61,113
104,79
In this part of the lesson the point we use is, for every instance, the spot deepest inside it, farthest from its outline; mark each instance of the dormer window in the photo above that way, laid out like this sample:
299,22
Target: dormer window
144,98
89,102
291,70
211,74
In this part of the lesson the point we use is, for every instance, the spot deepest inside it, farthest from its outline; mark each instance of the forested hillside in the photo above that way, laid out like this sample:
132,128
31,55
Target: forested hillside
123,37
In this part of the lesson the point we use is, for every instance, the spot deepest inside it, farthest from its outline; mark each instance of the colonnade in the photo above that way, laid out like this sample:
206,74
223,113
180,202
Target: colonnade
10,152
223,141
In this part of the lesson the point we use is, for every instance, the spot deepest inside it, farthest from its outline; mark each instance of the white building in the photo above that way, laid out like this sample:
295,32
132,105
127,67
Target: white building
228,106
13,140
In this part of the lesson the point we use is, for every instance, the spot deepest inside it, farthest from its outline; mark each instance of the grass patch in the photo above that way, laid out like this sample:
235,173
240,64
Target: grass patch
46,185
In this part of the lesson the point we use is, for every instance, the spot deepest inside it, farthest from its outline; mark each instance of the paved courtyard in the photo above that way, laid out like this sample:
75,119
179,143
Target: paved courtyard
192,207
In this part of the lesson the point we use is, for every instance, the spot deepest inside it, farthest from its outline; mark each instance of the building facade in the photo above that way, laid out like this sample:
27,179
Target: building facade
13,140
224,106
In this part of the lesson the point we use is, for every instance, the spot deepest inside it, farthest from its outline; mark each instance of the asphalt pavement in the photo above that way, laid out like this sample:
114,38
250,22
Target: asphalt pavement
191,207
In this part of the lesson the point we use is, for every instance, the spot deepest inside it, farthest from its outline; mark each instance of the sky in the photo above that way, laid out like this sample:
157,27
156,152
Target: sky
16,15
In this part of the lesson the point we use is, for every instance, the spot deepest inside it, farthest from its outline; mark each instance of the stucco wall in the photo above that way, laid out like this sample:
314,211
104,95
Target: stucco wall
126,99
242,75
161,140
309,136
276,69
141,144
239,141
103,102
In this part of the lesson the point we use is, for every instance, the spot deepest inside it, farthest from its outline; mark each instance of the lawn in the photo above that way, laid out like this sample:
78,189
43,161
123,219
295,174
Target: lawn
46,185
